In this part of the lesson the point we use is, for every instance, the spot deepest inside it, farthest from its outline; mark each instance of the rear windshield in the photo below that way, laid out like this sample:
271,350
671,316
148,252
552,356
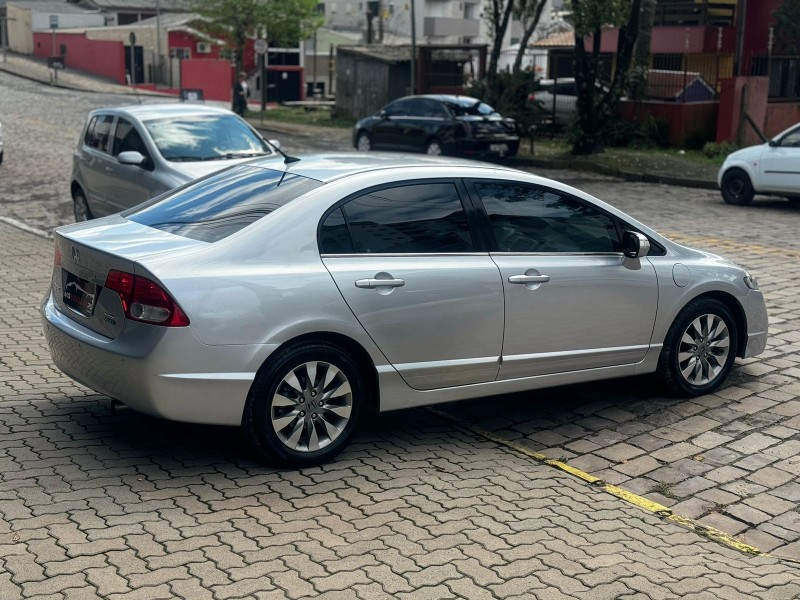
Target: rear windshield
220,205
470,107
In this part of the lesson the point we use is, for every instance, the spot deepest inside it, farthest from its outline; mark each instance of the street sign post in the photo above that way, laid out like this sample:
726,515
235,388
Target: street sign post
132,40
261,47
53,27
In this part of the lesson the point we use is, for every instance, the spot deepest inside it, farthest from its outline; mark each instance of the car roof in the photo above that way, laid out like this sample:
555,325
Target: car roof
145,112
332,166
448,98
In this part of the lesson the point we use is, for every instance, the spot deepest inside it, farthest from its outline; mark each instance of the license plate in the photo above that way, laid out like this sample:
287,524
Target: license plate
502,148
79,294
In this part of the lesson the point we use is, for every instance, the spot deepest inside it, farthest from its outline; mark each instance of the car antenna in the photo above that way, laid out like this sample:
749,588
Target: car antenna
287,160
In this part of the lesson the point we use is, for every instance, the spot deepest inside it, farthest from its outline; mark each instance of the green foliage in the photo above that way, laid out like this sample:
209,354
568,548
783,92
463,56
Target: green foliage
286,22
787,27
508,94
714,150
587,16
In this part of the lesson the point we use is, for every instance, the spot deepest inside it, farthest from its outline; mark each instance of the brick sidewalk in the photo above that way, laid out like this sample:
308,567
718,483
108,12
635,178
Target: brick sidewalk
98,503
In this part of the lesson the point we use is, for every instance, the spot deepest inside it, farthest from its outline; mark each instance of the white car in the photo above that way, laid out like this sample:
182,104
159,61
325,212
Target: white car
772,168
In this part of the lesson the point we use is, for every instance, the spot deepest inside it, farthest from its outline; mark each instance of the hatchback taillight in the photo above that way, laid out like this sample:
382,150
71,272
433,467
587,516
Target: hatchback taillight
57,257
145,301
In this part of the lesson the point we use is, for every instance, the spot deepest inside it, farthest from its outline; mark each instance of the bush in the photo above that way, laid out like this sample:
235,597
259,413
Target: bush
714,150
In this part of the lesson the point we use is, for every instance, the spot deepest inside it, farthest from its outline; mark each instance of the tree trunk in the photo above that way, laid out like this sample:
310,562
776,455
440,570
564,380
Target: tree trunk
501,14
641,50
594,115
529,29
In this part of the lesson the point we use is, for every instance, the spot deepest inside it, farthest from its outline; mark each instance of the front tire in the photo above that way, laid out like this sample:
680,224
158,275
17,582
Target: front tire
699,349
81,207
737,189
304,405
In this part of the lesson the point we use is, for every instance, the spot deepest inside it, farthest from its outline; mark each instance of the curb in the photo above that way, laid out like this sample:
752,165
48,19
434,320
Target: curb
711,533
87,90
592,167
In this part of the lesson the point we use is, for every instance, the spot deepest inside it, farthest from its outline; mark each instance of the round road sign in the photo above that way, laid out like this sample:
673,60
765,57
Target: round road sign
260,46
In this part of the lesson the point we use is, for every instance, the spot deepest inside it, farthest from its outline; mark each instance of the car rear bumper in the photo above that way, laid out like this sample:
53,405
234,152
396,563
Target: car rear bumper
491,147
165,372
755,310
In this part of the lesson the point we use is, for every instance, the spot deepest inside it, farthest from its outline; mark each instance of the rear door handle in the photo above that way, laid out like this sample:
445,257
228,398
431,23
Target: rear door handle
529,279
375,283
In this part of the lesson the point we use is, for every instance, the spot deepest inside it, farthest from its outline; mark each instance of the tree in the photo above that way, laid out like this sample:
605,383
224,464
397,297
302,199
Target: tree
498,17
528,13
596,105
787,27
286,22
641,50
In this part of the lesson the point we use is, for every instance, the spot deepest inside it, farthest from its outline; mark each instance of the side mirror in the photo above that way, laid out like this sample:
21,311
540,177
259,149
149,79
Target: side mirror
275,143
635,244
131,157
383,115
772,144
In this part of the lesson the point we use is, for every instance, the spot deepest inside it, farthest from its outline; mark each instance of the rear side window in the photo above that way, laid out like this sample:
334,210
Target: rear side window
98,132
419,218
218,206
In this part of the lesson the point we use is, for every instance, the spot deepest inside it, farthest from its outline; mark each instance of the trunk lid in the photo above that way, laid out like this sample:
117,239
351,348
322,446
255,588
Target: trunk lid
88,252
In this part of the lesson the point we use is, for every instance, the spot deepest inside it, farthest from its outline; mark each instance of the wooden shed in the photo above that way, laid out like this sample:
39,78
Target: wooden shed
369,77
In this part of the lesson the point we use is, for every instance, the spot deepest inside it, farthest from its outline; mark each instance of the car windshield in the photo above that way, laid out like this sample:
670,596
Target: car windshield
205,137
470,106
220,205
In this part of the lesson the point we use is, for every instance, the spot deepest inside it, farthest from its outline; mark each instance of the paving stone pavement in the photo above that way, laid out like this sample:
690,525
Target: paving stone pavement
113,504
96,503
730,459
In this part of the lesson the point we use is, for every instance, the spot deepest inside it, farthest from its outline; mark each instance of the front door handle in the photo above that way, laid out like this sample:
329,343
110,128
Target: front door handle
376,283
529,279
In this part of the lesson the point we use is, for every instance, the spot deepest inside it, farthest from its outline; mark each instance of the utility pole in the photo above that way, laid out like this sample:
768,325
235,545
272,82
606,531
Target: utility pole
158,42
413,48
4,33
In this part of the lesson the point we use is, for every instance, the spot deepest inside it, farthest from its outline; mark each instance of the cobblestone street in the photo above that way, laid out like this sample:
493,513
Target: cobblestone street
102,503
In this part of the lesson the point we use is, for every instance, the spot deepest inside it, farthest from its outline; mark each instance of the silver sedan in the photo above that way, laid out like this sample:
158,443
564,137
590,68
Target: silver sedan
288,298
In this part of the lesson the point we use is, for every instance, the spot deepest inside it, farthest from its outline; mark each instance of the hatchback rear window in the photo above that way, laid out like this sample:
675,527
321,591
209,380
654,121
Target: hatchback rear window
220,205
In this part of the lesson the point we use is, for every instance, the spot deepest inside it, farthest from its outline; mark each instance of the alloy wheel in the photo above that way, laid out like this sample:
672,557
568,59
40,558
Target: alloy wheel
311,406
703,350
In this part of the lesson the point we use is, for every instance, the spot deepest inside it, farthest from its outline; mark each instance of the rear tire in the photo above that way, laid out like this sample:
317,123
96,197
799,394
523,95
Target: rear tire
81,207
363,143
699,349
737,189
434,148
304,405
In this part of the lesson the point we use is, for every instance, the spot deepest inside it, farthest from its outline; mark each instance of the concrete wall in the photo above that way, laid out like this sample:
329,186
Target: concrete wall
40,21
20,31
104,58
213,76
781,116
730,108
689,121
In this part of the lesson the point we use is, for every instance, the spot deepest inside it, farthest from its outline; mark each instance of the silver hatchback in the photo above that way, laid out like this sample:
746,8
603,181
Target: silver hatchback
130,154
289,298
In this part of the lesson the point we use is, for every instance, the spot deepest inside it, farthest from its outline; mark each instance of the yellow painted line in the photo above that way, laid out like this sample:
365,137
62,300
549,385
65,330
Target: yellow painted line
597,483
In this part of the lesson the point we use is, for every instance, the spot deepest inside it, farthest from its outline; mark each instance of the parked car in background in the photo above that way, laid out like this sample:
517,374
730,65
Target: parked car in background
556,97
772,168
438,124
289,298
128,155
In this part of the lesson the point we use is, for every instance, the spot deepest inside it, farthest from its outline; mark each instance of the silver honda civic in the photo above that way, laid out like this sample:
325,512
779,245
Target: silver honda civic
289,297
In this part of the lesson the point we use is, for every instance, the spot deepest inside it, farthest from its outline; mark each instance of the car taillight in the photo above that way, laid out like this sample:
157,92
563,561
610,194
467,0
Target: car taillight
145,301
57,257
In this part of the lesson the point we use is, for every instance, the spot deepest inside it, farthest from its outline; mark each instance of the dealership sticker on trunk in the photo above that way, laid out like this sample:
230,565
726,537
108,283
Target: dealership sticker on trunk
79,294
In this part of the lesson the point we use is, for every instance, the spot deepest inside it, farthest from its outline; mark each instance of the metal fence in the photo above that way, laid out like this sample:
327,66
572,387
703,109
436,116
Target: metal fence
783,73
